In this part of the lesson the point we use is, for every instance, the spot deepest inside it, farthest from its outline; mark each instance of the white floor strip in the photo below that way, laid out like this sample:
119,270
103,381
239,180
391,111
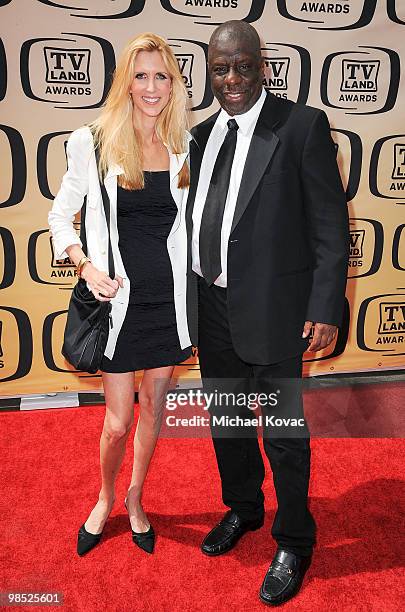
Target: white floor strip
54,400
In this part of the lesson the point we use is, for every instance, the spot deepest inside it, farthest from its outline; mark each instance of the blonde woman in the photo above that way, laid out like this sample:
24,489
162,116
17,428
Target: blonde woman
143,146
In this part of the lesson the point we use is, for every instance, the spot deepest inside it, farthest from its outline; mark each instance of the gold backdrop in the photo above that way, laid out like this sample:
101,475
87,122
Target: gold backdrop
56,59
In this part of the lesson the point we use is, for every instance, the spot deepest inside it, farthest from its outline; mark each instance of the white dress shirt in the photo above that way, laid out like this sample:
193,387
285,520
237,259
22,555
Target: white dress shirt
247,123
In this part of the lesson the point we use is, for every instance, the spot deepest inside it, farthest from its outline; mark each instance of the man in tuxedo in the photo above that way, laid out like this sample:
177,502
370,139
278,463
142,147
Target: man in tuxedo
269,241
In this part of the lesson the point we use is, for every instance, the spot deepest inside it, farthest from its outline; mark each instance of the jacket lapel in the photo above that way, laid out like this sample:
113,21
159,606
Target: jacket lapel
261,150
110,182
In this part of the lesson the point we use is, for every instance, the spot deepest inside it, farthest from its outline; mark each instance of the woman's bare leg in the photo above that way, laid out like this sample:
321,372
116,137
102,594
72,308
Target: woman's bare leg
119,417
152,394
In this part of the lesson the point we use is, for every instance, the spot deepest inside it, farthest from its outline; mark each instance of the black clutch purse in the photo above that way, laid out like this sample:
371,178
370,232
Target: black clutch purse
88,320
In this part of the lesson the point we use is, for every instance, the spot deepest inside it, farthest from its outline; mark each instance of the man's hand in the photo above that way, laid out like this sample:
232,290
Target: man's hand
323,335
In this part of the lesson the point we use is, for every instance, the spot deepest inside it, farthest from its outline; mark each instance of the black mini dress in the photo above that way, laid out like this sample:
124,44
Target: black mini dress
148,337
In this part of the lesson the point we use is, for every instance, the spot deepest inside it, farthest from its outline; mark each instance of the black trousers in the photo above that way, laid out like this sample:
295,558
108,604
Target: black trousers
238,453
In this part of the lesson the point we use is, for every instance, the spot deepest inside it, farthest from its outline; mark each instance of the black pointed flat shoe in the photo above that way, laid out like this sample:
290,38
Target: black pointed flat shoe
86,540
145,540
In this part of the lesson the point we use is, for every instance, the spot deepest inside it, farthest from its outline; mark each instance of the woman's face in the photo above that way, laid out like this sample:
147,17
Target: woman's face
151,86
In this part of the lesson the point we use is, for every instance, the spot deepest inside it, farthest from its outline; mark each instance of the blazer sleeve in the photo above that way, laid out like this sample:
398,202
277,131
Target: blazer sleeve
328,224
70,196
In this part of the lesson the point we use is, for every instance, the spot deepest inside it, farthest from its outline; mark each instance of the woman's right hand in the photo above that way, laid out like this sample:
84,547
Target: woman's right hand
101,285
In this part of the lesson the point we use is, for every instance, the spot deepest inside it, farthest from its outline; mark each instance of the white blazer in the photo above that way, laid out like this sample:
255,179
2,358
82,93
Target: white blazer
82,179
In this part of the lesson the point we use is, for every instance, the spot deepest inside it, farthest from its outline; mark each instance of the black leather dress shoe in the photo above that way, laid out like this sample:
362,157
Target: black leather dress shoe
86,540
284,577
227,533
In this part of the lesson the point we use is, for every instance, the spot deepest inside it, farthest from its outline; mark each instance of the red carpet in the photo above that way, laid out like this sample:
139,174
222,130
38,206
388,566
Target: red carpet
50,482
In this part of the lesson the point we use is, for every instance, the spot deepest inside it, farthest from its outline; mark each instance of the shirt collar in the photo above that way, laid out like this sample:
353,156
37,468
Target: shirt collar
246,120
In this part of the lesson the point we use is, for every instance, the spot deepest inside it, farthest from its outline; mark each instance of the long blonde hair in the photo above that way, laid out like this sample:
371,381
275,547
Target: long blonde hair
113,130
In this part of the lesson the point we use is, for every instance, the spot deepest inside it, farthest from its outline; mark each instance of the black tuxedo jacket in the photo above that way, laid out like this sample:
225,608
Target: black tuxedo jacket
289,244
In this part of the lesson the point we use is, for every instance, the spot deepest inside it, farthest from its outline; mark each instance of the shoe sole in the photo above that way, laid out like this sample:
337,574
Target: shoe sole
276,602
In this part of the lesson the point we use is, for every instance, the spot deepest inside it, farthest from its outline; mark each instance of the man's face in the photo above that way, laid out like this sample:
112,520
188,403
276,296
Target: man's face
236,75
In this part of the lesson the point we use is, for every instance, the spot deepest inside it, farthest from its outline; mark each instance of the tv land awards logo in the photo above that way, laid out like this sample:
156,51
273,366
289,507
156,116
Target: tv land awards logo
381,324
76,72
361,82
100,9
356,247
66,69
12,153
349,153
359,76
398,172
192,58
392,318
278,78
366,247
287,71
335,15
214,12
44,267
387,168
16,345
185,61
